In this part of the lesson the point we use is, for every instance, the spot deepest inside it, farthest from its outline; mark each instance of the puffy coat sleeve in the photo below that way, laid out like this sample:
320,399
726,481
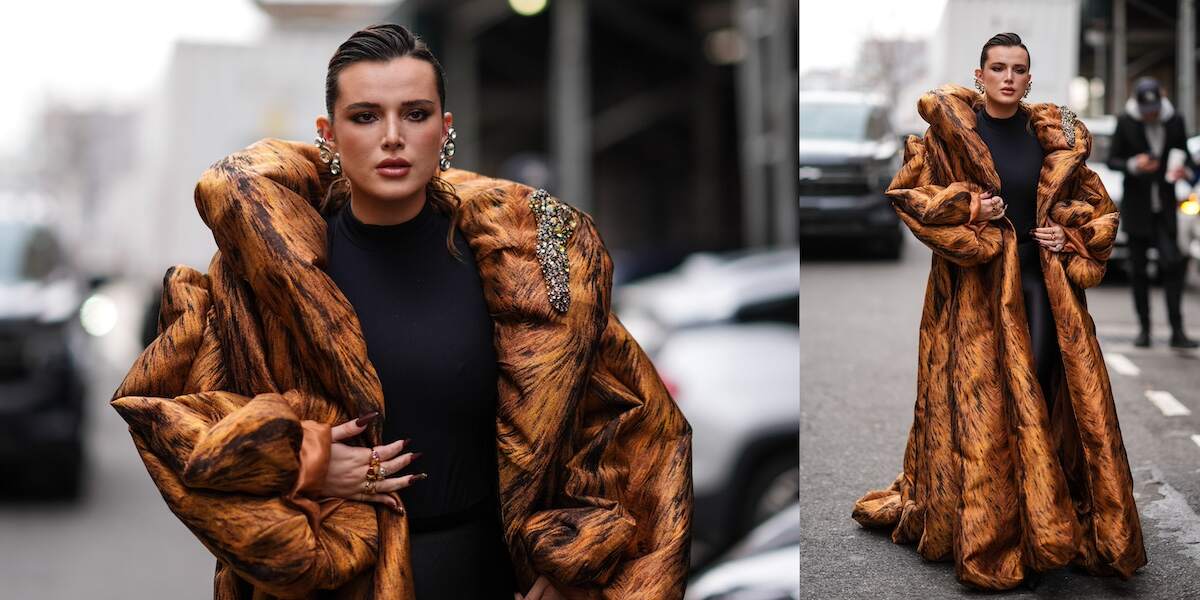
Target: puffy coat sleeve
619,525
235,469
1090,220
943,217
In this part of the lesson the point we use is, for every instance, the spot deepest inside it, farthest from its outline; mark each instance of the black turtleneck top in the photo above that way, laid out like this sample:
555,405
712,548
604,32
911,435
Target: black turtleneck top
1018,156
429,336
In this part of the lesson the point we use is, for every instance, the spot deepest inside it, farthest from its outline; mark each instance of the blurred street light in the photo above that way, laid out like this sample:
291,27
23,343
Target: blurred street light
527,8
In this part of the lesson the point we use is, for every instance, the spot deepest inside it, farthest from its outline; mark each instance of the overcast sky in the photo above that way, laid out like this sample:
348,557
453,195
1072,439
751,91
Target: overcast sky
100,52
831,30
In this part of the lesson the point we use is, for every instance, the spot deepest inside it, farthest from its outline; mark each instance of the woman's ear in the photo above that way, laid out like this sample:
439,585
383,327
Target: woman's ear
325,128
979,74
447,123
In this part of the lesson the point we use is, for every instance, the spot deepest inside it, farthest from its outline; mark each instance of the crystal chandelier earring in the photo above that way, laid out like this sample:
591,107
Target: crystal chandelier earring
447,149
979,86
329,157
1027,88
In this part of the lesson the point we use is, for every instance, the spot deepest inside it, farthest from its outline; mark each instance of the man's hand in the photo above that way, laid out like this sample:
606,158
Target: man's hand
1145,163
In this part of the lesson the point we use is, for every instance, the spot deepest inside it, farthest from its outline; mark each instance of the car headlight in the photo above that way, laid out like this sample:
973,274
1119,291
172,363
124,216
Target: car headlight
98,315
1191,206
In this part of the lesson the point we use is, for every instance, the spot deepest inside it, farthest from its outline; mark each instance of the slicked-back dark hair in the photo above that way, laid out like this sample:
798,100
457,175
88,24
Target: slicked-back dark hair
1003,39
382,43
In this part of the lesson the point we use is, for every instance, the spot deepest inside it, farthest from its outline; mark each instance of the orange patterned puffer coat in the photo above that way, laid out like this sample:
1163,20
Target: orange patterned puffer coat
990,480
230,407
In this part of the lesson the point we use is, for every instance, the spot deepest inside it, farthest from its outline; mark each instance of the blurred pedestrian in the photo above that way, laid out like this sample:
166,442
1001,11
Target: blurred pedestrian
364,276
1015,463
1148,133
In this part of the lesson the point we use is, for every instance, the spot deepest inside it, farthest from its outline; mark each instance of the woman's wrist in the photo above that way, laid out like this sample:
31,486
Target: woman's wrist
314,457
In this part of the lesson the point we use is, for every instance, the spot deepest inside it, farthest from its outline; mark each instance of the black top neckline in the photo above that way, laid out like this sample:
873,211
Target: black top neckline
370,236
1006,121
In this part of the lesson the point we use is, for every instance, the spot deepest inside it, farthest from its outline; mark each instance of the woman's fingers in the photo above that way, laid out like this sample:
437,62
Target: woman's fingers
392,484
383,499
353,427
390,451
539,587
401,462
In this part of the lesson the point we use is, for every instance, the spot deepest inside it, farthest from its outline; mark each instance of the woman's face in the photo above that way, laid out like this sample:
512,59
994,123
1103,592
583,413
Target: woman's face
387,110
1005,74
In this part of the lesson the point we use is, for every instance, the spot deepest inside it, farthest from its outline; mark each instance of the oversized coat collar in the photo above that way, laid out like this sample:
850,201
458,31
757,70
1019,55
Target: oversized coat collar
950,112
264,217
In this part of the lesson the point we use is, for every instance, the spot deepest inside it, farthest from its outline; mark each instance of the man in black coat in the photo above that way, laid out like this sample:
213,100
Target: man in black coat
1146,134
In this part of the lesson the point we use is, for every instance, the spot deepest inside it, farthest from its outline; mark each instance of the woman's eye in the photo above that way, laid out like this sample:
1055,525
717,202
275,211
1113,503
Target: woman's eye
417,115
363,117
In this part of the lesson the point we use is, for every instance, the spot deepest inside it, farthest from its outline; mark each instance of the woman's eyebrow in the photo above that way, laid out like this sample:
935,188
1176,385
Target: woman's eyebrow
373,105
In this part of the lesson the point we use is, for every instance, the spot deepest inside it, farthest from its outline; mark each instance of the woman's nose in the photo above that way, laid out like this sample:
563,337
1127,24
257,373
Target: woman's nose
392,137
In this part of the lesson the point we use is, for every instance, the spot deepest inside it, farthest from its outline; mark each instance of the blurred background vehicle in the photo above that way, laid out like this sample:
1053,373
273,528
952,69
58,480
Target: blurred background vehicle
1189,213
41,368
759,567
1102,128
848,156
722,330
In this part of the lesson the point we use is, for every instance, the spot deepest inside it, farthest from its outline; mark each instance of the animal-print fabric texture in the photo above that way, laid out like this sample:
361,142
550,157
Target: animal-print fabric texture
594,455
990,479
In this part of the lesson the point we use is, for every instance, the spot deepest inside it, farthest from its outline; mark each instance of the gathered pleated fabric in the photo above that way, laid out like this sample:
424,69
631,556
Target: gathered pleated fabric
992,479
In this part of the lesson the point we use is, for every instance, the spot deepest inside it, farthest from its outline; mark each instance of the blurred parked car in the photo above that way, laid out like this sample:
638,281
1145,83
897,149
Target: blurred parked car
723,333
41,363
1102,128
848,156
764,566
1189,211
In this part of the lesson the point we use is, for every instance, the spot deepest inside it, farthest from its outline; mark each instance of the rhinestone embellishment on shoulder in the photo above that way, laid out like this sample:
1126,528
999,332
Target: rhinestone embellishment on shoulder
1068,124
555,223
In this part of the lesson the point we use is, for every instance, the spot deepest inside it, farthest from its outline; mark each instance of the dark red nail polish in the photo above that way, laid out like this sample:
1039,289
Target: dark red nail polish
367,418
417,455
420,476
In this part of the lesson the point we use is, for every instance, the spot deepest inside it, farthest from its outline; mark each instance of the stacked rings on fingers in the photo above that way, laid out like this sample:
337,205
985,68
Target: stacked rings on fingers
374,473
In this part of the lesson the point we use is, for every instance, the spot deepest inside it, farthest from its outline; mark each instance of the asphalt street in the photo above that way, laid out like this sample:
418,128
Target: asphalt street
858,326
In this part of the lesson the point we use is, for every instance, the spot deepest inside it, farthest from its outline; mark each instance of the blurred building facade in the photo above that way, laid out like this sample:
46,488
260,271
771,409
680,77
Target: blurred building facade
1085,53
671,122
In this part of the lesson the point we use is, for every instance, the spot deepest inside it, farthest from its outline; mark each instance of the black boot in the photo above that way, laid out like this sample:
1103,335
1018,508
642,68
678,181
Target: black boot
1143,339
1179,339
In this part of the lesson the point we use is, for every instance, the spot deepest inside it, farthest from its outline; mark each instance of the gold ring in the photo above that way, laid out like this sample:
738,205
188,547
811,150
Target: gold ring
374,468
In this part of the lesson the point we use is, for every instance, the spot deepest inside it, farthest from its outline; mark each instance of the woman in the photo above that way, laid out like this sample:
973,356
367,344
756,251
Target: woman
1015,463
463,316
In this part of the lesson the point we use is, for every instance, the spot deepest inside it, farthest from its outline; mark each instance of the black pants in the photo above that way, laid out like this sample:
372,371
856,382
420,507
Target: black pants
1172,266
1042,333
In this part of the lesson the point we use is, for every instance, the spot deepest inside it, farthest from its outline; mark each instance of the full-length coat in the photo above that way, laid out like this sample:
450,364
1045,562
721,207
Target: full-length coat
230,407
991,480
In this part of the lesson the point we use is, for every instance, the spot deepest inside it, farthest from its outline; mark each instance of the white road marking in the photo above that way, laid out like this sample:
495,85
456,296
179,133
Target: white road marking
1167,403
1174,518
1121,364
1196,438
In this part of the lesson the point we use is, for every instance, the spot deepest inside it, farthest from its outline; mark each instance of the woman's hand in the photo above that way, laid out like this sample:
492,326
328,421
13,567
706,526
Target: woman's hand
348,466
1052,238
990,207
541,590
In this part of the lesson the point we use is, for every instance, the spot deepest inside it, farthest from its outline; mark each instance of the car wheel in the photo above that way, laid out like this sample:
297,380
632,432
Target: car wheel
774,486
